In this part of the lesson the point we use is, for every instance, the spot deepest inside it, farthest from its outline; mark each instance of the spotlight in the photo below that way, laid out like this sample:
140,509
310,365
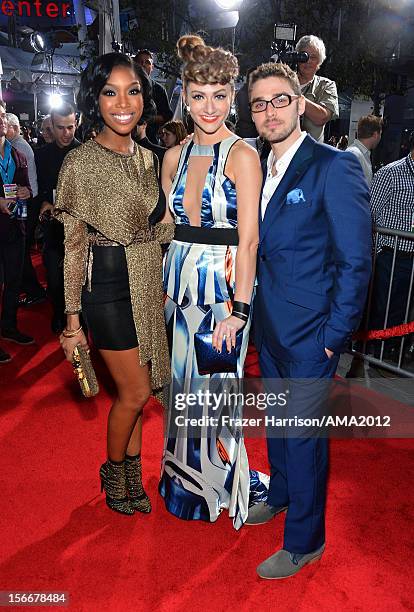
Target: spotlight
38,42
55,100
228,5
47,42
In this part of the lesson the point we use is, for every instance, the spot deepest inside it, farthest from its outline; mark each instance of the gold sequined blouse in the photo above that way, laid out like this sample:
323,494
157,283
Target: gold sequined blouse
114,194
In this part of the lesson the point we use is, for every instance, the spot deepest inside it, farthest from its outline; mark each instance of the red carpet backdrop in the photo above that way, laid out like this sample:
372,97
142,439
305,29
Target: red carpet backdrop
58,535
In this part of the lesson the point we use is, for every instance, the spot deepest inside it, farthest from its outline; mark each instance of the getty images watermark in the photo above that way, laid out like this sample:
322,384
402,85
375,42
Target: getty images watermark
289,408
220,401
215,400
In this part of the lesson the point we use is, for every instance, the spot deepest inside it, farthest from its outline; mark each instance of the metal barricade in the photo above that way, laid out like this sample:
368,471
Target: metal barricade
383,303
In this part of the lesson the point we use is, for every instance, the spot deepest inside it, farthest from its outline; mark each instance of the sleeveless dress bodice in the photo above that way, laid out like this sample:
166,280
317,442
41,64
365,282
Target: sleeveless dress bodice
204,273
219,203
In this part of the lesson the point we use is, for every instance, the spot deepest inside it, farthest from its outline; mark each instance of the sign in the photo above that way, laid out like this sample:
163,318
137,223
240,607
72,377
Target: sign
35,9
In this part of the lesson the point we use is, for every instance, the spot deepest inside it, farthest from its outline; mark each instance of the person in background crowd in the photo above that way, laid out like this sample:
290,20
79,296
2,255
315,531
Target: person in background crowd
27,135
320,93
13,170
89,134
368,137
172,133
392,206
140,137
46,135
245,126
342,143
164,113
35,133
314,231
139,134
49,160
30,284
333,141
85,132
109,200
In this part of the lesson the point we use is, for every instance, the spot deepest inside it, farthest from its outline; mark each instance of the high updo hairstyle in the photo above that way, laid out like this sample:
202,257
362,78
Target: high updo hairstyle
94,79
204,64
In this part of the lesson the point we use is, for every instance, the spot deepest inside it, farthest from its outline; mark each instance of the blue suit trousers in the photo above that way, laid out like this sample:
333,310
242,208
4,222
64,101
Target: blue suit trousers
299,465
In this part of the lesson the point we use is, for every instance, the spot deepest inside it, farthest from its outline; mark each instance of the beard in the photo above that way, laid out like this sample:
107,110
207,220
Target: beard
281,133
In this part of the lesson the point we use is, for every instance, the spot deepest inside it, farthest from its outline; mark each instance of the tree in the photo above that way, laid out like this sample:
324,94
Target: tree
363,38
159,26
360,37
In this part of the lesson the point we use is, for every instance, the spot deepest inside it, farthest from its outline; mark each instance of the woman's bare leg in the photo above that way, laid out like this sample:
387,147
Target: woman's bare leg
133,390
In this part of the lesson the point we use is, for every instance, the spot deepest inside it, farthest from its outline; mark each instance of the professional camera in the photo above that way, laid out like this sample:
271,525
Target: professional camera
284,36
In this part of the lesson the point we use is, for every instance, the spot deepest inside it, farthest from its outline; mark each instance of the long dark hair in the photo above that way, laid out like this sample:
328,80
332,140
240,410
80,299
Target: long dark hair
94,79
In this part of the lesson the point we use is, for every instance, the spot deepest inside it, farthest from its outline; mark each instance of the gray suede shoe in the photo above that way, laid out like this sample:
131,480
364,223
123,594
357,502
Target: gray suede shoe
284,564
262,513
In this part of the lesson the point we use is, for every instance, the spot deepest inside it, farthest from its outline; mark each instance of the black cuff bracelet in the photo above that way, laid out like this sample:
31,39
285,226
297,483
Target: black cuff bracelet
241,307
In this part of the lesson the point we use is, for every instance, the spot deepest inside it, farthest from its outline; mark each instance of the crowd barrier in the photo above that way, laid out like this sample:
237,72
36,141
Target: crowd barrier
370,342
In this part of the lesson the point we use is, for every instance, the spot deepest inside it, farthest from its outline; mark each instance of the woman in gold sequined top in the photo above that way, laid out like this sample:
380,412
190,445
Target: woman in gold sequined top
109,201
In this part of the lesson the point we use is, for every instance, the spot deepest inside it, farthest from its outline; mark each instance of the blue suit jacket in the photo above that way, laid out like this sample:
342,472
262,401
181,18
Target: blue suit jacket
314,257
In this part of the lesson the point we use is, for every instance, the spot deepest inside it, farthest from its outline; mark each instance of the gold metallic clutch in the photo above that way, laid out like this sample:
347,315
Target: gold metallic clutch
83,368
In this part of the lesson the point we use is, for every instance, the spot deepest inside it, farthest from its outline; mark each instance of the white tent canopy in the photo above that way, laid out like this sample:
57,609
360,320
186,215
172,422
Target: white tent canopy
28,68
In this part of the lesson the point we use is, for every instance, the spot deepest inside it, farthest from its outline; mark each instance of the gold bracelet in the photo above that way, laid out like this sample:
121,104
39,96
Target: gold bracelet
68,333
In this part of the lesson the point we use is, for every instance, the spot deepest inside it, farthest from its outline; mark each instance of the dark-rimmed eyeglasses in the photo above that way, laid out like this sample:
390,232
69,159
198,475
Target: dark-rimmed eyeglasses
279,101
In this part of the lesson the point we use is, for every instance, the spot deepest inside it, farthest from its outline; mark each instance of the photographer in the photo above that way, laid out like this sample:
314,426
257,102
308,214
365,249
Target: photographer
320,93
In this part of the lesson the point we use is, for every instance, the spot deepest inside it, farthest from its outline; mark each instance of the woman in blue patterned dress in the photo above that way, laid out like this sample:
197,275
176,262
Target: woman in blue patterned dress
212,184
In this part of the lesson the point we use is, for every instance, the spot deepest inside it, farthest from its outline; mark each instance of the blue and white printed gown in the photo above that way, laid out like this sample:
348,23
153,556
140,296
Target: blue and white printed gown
204,474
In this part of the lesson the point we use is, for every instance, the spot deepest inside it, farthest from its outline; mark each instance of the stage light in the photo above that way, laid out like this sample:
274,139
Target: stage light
228,5
48,42
38,42
55,100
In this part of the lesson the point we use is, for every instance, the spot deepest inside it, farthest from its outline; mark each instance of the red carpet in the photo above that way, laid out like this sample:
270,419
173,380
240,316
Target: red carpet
57,533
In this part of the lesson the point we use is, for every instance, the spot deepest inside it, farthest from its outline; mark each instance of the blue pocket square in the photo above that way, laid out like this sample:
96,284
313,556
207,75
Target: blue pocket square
295,197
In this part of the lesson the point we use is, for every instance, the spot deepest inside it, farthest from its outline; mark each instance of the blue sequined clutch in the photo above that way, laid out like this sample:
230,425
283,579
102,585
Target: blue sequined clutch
209,361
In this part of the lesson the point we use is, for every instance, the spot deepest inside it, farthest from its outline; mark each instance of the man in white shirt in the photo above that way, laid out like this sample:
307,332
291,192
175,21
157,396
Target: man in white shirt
314,264
369,133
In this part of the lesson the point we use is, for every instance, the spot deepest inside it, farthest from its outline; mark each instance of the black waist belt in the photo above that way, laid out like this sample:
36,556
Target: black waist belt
206,235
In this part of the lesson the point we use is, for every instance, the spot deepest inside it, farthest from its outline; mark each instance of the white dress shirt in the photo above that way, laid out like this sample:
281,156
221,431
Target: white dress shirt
280,165
364,157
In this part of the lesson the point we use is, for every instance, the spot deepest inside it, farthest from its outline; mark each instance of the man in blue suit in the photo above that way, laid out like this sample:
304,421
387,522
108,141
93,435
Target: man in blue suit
314,265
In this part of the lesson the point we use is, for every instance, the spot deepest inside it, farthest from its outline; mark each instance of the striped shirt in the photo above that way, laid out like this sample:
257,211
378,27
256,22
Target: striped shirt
392,201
